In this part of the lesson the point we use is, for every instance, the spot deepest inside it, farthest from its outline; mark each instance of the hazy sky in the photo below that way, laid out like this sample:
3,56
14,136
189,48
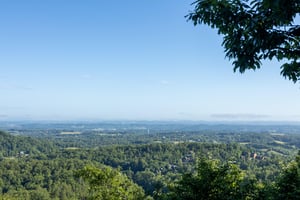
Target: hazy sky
136,60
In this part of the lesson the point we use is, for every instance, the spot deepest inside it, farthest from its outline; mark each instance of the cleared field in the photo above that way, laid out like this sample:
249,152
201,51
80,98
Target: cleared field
275,152
244,143
279,142
72,148
277,134
70,133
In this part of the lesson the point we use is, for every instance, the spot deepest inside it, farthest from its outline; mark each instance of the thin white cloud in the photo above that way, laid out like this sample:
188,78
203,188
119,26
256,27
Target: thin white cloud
164,82
7,86
2,107
241,116
3,116
186,114
86,76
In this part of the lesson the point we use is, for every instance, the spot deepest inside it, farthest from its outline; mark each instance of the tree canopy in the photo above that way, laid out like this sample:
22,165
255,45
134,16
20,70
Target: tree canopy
110,184
288,184
254,30
215,181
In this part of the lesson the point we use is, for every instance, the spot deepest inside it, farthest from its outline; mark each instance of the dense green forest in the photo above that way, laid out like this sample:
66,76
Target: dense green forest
163,164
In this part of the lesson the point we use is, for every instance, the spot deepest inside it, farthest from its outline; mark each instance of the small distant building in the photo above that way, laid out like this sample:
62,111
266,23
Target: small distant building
253,155
22,154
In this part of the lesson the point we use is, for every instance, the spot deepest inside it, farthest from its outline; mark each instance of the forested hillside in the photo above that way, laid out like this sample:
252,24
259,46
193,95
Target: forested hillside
164,165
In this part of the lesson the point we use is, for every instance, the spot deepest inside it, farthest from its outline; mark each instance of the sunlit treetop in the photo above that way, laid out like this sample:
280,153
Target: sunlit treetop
254,30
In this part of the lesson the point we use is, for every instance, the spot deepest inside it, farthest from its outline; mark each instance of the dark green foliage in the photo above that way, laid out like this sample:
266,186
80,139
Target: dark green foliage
215,181
41,179
231,170
11,146
288,185
106,183
255,30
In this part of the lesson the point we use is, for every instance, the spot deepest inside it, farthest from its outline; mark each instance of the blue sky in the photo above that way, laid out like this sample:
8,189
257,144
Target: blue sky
135,60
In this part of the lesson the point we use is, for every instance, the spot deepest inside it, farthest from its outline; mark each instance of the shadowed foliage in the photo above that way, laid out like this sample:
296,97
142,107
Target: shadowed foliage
254,30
